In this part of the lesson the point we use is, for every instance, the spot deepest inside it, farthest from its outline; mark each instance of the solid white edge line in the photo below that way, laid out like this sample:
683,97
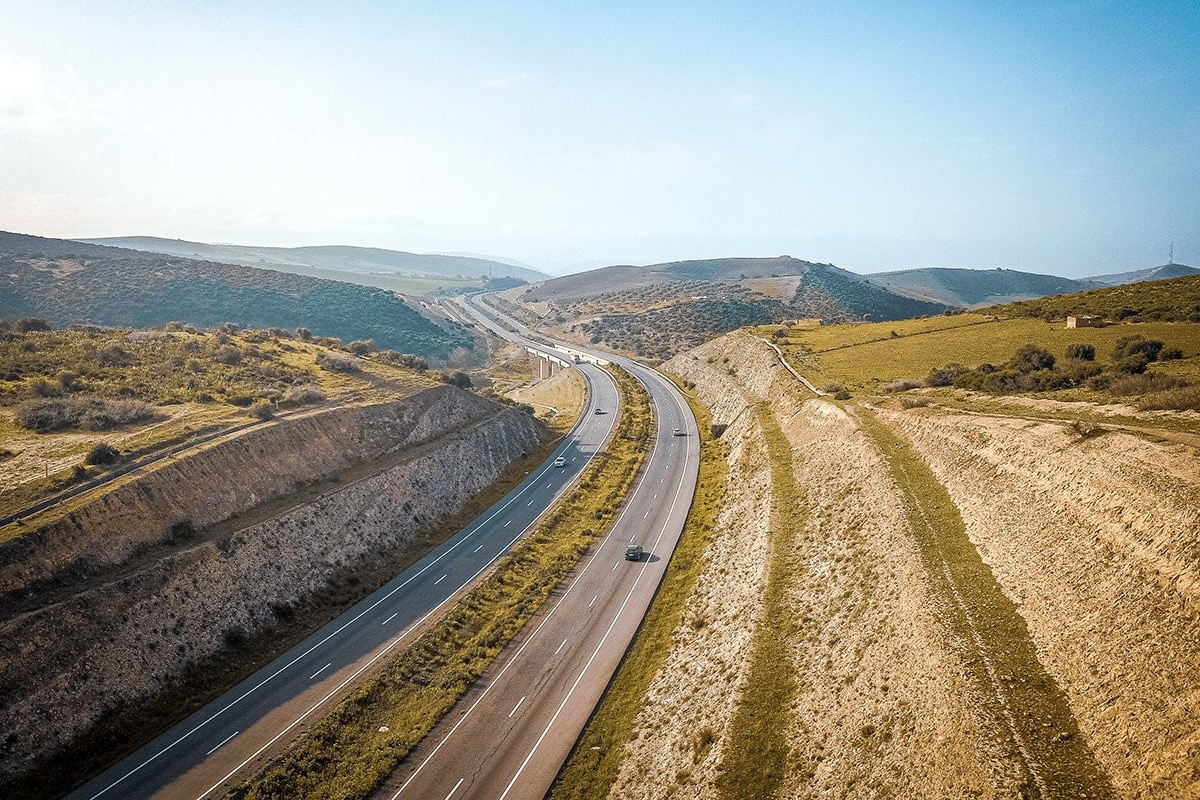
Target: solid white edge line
495,681
603,639
532,483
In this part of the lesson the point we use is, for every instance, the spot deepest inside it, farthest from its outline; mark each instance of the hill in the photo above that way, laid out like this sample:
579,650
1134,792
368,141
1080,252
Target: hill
1152,274
69,282
365,260
1171,300
970,288
662,309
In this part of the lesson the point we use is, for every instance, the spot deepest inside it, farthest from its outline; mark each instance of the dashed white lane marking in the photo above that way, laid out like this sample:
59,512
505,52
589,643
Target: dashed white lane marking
594,599
439,580
614,569
560,647
508,523
455,789
477,549
389,619
531,502
645,515
223,741
322,669
518,705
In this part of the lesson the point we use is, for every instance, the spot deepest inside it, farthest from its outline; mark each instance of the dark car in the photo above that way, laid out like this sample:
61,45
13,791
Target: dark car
633,552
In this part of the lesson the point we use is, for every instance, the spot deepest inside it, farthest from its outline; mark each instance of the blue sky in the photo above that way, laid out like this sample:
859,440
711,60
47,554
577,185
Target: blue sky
1050,137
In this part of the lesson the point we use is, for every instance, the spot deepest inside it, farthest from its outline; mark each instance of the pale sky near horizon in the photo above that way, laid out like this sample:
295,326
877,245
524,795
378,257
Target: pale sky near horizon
1059,137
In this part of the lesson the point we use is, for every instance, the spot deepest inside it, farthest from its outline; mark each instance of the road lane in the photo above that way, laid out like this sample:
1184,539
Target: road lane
207,750
509,736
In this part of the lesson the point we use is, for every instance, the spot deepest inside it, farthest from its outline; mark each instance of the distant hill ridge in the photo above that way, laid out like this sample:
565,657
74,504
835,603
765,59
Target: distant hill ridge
345,258
69,282
1159,273
972,288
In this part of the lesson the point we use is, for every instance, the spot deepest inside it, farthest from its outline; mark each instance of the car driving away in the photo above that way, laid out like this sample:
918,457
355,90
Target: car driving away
560,462
633,552
677,432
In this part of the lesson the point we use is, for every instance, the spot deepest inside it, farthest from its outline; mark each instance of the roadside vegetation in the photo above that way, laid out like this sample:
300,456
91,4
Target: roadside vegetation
593,764
756,761
362,740
65,392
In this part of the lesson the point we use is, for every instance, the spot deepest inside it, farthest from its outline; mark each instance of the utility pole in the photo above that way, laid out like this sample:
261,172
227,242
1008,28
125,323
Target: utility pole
1171,258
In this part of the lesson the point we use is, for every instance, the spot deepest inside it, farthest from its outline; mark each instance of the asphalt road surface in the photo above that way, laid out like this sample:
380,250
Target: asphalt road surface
511,733
217,746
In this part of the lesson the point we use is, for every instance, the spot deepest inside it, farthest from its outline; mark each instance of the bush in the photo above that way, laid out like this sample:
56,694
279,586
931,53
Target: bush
944,376
361,347
1170,354
1135,346
262,409
1081,352
89,413
1031,358
102,453
842,394
303,393
1144,383
457,378
32,324
833,387
901,386
914,401
407,360
337,362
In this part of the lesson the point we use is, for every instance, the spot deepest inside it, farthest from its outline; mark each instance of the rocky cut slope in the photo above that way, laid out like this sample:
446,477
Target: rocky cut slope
144,602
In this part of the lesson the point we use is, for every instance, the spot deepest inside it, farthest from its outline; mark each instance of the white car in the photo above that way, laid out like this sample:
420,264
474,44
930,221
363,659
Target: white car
560,462
677,432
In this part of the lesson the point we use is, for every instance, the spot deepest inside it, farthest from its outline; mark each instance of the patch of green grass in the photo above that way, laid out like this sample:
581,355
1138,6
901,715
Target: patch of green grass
755,758
866,356
346,754
593,764
1022,702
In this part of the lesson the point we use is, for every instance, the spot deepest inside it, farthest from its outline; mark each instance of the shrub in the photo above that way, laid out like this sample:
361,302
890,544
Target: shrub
1031,358
901,386
89,413
262,409
914,401
407,360
944,375
32,324
457,378
1145,383
1137,346
337,362
102,453
1081,352
1087,430
360,347
841,394
833,387
1170,354
303,393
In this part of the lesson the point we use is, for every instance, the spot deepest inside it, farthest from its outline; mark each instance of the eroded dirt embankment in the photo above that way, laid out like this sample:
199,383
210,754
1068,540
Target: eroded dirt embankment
881,707
135,635
1096,542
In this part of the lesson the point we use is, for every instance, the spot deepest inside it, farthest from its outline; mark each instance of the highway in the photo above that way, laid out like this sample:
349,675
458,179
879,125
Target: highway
511,733
217,746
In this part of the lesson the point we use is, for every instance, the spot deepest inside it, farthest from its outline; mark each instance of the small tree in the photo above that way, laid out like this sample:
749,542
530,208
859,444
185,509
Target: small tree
32,324
262,409
1030,358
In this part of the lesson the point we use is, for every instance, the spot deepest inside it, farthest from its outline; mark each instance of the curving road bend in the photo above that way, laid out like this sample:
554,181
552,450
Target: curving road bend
511,733
214,748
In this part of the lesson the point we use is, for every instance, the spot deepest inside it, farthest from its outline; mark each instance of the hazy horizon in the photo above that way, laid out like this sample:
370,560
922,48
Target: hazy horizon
1059,138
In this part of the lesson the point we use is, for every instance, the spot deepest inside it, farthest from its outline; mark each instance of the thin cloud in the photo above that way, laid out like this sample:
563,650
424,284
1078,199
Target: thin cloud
507,82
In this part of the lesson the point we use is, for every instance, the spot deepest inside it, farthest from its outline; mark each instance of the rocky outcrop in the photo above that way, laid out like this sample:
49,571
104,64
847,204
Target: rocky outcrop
134,635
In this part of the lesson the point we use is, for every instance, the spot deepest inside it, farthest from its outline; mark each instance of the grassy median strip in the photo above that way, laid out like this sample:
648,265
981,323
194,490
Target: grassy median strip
593,764
1023,703
756,757
348,753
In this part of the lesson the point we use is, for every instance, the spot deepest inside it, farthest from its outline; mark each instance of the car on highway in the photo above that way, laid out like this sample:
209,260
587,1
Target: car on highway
633,552
677,432
598,410
560,462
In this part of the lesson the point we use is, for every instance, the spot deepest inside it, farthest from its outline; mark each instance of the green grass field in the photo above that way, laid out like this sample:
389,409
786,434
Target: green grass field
863,357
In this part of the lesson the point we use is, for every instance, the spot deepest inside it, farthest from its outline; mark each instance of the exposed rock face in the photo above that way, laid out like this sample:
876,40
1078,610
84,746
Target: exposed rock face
135,634
1096,541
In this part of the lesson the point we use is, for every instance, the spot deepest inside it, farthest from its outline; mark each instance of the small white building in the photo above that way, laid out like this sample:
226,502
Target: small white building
1084,321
